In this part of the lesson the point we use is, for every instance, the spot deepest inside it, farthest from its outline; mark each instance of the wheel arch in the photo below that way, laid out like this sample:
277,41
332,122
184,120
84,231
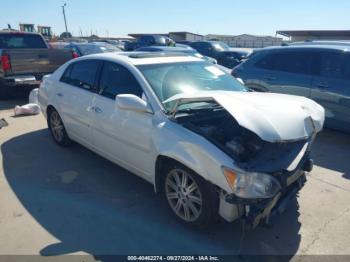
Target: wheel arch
161,162
49,108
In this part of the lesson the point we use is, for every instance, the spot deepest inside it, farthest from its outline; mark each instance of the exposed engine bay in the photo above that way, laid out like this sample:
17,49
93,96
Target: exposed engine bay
249,151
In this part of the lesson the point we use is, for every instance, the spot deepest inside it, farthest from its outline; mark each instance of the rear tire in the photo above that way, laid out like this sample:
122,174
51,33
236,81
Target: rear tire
57,129
191,198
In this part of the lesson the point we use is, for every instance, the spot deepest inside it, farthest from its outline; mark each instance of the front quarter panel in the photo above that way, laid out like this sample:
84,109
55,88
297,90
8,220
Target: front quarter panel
192,150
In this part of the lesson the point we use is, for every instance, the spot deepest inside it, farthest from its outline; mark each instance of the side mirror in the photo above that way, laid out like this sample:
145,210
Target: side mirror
132,103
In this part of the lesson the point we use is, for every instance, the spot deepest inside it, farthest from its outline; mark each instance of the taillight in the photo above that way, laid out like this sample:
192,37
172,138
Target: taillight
5,61
75,55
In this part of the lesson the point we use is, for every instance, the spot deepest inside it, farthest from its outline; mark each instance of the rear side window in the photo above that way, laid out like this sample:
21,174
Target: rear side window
21,41
81,74
116,79
291,62
66,75
335,65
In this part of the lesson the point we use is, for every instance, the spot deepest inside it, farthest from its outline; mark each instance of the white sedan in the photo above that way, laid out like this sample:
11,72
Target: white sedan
211,147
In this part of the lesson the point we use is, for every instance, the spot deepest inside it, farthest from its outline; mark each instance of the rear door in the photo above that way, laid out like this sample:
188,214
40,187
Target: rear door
77,91
123,136
331,87
286,72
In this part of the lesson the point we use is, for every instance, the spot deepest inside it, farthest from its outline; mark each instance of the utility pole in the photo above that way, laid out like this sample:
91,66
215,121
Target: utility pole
64,16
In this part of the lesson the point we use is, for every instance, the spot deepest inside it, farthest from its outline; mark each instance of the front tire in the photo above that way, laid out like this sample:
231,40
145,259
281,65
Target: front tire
189,196
57,129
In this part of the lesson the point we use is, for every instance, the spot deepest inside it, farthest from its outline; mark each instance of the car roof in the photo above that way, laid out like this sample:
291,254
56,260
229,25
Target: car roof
144,58
84,44
208,41
167,48
321,42
312,46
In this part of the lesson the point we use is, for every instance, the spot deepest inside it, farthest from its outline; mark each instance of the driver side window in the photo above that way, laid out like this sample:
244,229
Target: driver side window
116,79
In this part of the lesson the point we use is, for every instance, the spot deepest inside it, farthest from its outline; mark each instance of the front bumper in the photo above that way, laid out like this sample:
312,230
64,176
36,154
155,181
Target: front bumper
255,211
264,210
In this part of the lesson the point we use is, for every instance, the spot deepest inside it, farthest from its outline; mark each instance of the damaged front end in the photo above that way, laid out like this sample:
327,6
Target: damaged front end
266,174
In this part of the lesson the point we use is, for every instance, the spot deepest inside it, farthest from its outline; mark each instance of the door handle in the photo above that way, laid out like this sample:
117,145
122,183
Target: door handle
270,77
322,85
59,94
96,109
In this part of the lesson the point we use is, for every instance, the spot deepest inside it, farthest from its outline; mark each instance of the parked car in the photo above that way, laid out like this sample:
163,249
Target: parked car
176,49
149,40
184,42
24,59
220,51
81,49
321,73
187,127
57,45
117,43
130,45
319,42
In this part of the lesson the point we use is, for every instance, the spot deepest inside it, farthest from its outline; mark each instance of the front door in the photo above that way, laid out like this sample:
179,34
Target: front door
121,135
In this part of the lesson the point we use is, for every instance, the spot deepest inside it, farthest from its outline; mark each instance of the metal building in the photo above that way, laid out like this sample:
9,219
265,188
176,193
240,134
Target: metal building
304,35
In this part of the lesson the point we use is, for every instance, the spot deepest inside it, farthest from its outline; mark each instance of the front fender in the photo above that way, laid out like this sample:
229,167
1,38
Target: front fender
192,150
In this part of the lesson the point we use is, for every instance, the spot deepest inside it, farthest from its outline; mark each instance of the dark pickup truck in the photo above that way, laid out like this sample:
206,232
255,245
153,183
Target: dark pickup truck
25,58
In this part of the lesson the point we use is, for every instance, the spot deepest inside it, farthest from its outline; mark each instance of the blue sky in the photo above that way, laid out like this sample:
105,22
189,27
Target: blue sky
120,17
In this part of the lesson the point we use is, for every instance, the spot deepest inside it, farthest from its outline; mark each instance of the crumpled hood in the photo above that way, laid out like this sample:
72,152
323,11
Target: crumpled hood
273,117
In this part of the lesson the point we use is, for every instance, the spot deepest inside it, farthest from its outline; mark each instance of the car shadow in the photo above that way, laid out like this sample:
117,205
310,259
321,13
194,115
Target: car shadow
11,103
331,150
90,204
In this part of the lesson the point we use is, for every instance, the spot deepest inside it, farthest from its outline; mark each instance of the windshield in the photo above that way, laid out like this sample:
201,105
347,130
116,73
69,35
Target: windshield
220,46
171,79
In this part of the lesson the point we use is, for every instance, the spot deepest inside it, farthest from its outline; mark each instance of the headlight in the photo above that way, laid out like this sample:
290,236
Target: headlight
251,185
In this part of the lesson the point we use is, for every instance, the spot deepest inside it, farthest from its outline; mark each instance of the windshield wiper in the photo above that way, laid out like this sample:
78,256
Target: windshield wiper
198,109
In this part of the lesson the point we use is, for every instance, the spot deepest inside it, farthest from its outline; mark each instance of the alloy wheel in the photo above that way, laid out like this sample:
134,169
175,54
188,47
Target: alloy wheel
56,126
183,195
